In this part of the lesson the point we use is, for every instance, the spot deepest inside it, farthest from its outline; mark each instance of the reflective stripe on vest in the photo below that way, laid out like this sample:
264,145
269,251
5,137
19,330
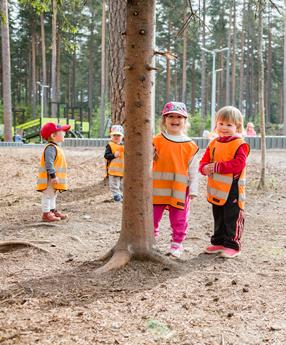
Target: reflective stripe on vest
116,166
219,185
170,171
60,166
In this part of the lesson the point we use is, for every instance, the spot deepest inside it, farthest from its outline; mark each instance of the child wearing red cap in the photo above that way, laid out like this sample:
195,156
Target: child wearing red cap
175,173
52,175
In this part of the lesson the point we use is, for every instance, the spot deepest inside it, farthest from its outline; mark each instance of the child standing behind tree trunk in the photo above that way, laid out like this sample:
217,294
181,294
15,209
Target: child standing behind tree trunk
114,155
175,173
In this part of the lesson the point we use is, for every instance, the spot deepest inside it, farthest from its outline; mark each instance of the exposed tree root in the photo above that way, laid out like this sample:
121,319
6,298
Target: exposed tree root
106,256
157,257
10,246
118,260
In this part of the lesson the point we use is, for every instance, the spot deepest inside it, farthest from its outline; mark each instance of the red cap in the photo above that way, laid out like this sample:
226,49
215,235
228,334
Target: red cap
49,128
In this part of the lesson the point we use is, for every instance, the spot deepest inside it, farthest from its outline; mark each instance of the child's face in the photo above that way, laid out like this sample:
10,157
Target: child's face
116,138
175,124
225,128
59,136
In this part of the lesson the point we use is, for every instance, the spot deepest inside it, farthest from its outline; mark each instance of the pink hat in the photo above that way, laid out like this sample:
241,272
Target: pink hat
175,108
49,128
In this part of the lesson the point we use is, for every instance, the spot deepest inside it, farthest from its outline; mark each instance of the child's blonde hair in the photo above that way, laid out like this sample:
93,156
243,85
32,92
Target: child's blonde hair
231,114
164,128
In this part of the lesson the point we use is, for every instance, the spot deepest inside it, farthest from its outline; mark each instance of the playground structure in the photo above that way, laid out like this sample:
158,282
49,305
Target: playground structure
79,117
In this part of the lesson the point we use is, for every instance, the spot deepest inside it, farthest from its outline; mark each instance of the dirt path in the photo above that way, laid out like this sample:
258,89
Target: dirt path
54,297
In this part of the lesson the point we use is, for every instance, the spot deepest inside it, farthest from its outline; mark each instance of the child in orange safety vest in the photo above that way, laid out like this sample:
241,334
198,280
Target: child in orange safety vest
224,163
175,173
52,176
114,155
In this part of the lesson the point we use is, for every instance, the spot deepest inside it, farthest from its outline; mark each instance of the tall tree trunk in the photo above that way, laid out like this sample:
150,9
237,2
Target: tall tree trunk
102,93
58,68
168,64
268,91
241,64
91,48
136,236
233,63
44,61
54,98
284,73
193,99
117,33
34,88
6,68
185,48
175,85
73,90
203,67
227,78
261,98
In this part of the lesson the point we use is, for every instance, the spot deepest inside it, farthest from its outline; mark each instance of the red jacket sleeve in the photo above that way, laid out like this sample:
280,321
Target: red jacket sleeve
235,165
206,159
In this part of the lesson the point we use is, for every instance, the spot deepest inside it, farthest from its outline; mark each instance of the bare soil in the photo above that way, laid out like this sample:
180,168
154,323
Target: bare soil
49,294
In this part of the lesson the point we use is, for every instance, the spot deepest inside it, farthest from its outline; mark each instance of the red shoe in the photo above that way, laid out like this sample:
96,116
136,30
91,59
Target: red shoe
230,253
49,217
59,214
214,249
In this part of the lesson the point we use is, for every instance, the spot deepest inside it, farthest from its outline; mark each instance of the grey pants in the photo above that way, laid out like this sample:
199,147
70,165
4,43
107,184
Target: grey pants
116,185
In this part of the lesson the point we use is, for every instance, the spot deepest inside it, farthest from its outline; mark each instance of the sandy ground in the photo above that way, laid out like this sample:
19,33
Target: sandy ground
52,296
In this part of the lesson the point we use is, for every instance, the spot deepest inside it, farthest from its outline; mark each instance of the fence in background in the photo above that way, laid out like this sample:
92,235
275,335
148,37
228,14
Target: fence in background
275,142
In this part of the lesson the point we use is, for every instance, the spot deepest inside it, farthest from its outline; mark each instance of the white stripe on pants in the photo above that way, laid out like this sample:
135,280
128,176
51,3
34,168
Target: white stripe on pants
116,185
49,196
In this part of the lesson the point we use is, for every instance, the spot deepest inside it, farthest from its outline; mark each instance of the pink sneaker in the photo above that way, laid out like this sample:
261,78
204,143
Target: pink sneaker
230,253
176,249
214,249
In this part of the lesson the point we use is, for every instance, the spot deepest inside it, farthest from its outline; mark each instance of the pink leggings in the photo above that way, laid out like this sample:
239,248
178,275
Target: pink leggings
178,219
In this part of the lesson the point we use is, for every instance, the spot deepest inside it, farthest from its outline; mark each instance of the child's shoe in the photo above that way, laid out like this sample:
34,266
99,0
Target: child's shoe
49,217
117,198
59,214
214,249
230,253
176,249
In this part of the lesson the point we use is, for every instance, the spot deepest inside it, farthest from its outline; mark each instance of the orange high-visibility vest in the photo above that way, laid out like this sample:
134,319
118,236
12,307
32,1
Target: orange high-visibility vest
116,166
171,170
61,171
219,184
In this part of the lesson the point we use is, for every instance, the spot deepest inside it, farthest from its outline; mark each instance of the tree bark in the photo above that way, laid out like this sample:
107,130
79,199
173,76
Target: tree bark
102,94
203,68
91,48
184,69
284,73
54,59
241,65
117,33
168,65
268,91
227,78
193,94
44,61
233,63
33,69
58,88
261,98
6,72
136,237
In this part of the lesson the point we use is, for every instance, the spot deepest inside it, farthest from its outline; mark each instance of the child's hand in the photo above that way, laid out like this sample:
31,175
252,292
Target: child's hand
54,180
208,169
155,154
116,154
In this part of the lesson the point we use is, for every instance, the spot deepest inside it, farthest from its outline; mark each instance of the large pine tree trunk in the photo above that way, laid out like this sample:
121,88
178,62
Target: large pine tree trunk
117,33
58,68
44,61
227,78
54,98
6,69
261,99
136,237
102,93
284,73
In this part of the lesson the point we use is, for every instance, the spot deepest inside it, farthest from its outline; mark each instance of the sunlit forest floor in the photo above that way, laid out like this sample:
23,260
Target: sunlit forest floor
52,296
